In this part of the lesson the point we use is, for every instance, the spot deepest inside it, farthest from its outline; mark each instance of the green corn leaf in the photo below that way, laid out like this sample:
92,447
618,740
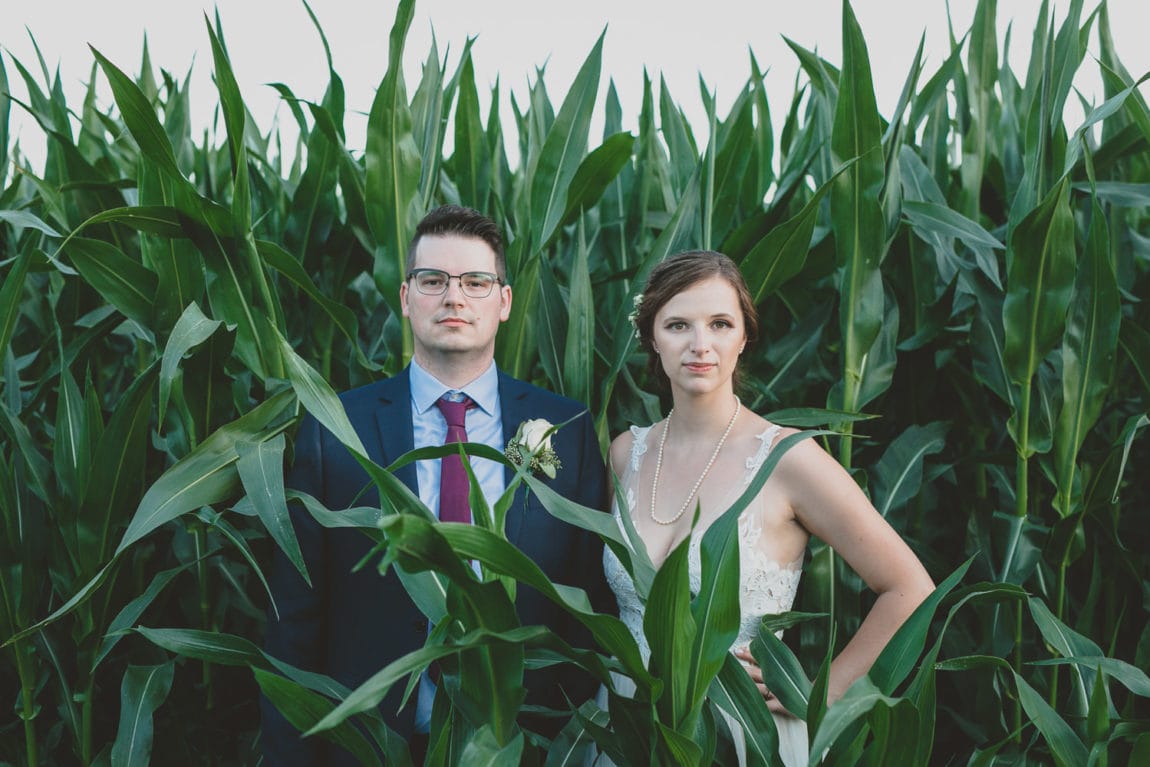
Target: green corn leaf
71,453
671,629
550,328
343,317
563,149
392,166
123,282
715,609
131,612
139,117
860,699
117,475
1068,643
143,690
1066,747
20,220
860,236
782,672
208,474
303,708
471,161
898,474
781,254
1040,280
191,330
1089,356
578,359
898,657
260,466
484,749
733,692
595,173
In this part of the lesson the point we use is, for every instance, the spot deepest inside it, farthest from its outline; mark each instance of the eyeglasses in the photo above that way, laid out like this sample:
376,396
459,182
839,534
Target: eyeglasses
434,282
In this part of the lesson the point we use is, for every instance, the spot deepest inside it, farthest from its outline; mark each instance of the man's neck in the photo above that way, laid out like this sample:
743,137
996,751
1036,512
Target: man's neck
454,371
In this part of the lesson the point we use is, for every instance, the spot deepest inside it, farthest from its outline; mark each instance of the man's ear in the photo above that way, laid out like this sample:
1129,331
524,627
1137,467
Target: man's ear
504,302
403,298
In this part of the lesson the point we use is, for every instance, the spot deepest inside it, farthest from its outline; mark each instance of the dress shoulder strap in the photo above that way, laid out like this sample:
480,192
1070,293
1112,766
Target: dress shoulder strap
638,446
766,441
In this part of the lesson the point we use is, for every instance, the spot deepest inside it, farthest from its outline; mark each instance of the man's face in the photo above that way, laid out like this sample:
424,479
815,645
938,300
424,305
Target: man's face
453,327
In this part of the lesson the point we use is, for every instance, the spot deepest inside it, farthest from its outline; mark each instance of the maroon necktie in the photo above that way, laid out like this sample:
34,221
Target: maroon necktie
453,484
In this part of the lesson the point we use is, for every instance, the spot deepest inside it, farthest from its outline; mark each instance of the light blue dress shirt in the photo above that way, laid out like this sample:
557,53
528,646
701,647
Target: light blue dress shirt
484,423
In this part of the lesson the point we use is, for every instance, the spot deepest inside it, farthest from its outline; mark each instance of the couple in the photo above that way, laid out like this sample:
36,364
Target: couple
695,319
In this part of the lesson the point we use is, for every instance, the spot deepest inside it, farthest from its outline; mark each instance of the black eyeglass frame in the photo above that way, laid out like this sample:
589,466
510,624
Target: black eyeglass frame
495,280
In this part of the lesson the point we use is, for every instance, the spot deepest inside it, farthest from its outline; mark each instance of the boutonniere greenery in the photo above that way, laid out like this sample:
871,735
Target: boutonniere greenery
532,445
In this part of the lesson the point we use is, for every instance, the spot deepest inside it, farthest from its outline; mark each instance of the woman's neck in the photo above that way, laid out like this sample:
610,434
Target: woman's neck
704,415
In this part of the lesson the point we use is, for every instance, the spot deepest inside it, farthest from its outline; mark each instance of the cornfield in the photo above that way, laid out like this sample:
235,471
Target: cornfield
954,299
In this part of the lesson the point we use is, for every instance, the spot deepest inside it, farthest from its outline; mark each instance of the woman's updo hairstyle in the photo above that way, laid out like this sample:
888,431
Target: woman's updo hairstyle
676,274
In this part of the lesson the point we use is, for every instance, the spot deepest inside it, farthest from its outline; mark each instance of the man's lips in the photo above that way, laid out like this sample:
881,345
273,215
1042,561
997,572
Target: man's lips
453,322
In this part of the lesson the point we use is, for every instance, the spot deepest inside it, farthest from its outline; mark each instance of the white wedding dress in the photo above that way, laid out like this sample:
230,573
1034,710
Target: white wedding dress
766,586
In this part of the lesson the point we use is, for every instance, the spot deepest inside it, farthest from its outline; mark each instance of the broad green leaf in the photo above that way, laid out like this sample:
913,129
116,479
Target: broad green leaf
131,612
471,162
945,222
671,630
392,166
207,475
153,219
898,474
139,117
303,708
856,704
554,170
319,399
1066,747
117,475
143,690
483,749
123,282
578,360
10,293
1040,280
782,672
1066,642
595,173
191,330
733,692
1089,355
20,220
898,657
343,317
857,218
260,466
782,253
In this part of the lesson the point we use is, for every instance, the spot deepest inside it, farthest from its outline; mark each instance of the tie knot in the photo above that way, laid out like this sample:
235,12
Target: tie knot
455,413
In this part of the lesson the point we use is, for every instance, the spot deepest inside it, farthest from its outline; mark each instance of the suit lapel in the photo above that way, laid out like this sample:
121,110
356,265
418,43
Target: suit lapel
394,426
514,407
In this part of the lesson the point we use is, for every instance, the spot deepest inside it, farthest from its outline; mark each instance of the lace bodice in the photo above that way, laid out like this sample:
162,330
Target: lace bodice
766,586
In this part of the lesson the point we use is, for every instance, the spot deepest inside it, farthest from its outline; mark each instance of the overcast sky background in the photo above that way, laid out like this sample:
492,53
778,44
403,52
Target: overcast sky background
274,41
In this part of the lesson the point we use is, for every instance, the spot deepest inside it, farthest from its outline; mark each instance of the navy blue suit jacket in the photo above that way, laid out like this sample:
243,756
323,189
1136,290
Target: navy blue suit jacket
349,625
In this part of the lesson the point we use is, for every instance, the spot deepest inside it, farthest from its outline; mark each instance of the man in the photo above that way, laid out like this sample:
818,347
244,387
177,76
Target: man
350,625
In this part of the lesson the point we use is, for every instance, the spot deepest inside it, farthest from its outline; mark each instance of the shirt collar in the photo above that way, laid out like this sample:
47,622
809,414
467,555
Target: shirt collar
426,389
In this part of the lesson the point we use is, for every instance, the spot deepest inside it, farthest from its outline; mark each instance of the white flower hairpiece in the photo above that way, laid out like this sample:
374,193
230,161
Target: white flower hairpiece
633,317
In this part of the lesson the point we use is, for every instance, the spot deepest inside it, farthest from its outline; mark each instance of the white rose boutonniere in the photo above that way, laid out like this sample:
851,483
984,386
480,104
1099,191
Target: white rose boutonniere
532,444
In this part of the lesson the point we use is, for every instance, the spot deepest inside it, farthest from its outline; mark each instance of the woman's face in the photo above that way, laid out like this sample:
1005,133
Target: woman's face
699,335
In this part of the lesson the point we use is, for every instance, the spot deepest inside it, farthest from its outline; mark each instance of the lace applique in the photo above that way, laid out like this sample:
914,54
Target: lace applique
755,462
638,446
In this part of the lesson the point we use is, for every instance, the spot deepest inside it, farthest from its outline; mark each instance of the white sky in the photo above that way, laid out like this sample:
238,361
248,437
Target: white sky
274,41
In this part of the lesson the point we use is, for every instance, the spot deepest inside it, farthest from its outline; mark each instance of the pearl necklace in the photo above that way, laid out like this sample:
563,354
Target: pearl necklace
699,481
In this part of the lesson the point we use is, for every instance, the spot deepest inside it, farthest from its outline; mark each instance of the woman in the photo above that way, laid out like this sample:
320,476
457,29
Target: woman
695,319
